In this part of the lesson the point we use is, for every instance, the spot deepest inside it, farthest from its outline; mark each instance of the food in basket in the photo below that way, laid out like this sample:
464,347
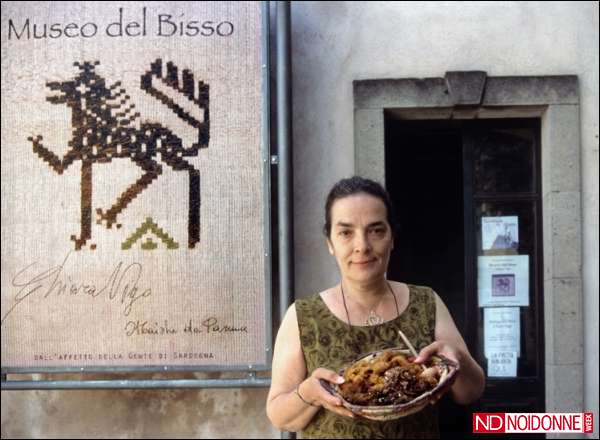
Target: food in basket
385,385
387,379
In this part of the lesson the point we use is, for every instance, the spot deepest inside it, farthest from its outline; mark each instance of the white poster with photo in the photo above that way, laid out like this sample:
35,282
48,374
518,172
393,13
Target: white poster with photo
503,281
500,232
501,330
502,364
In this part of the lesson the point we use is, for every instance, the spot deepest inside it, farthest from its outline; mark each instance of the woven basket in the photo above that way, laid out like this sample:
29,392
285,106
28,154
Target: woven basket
391,412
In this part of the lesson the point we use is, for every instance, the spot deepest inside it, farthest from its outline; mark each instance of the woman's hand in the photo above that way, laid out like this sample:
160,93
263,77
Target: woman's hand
439,347
312,391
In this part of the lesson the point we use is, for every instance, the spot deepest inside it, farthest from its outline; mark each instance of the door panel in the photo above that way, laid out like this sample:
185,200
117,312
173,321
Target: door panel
446,179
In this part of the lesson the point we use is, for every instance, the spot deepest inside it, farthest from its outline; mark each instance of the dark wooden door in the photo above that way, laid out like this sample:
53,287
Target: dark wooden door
446,179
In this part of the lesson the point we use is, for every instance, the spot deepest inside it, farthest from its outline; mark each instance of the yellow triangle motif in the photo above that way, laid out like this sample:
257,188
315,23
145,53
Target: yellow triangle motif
149,226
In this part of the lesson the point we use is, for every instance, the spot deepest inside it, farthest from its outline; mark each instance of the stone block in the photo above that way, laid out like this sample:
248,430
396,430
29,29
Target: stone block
568,321
562,235
561,149
564,388
369,144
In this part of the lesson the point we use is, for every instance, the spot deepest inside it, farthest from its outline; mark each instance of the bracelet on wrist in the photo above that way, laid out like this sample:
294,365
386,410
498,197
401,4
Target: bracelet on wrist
297,391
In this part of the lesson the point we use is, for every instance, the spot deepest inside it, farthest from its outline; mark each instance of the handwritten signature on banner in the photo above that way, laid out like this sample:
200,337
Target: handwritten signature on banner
48,284
210,325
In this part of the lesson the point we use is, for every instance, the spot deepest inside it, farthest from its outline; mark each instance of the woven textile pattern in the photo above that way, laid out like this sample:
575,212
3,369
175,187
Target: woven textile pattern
132,184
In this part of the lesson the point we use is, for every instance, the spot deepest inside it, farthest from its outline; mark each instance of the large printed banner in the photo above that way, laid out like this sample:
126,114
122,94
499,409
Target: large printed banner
132,184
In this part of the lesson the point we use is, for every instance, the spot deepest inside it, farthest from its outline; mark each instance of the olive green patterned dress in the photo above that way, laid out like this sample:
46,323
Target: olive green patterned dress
328,342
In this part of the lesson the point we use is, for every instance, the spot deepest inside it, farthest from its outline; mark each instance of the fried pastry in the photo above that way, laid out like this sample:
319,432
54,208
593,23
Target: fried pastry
387,379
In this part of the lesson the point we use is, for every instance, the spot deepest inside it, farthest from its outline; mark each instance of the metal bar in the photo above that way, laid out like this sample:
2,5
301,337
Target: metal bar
284,169
128,384
146,369
267,190
470,256
508,197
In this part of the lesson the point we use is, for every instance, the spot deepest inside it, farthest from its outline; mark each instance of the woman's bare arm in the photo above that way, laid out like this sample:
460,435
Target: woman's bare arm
285,409
470,383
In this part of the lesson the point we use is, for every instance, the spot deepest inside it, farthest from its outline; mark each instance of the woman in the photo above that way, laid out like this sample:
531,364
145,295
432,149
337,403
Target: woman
363,313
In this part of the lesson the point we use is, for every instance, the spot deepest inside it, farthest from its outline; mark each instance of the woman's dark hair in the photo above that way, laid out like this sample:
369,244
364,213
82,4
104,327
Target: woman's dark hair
356,185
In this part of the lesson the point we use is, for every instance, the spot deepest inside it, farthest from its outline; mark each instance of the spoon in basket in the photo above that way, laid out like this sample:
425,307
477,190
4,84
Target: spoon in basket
410,346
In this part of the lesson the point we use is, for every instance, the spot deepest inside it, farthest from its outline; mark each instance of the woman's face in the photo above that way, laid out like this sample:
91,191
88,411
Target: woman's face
361,238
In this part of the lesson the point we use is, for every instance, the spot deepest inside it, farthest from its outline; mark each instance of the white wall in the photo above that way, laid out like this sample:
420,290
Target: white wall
334,43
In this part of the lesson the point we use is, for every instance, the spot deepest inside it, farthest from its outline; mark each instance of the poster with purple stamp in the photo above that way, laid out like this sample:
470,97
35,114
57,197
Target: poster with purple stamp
503,280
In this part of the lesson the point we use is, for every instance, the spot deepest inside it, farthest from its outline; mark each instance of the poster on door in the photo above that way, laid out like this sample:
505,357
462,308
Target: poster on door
503,281
501,330
502,364
500,232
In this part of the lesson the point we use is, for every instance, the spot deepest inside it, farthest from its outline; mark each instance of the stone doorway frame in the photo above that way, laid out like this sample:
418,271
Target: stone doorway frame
472,94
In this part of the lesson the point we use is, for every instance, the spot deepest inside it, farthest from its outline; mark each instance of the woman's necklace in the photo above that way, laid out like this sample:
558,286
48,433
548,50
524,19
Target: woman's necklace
373,318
